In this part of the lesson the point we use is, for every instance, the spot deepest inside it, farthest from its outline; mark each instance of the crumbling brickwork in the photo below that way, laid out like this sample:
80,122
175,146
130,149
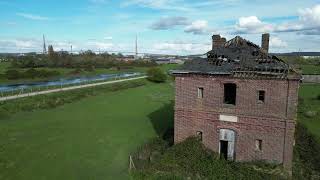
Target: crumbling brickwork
271,121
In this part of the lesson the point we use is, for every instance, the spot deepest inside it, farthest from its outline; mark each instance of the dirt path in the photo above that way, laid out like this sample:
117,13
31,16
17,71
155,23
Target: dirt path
66,89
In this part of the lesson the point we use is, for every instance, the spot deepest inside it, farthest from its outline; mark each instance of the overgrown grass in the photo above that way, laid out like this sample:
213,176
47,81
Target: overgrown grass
306,154
309,107
307,148
191,160
310,69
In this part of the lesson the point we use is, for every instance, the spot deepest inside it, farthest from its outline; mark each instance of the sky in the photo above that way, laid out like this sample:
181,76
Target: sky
162,26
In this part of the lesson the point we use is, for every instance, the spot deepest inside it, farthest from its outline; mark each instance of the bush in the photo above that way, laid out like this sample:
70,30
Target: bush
76,71
156,75
307,150
89,68
31,73
46,74
192,160
13,74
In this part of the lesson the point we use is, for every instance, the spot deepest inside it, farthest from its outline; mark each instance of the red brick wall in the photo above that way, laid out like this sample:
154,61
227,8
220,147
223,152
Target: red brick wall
271,121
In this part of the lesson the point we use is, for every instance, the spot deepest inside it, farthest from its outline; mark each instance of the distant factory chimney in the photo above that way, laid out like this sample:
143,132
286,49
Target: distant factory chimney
44,45
265,42
218,41
136,49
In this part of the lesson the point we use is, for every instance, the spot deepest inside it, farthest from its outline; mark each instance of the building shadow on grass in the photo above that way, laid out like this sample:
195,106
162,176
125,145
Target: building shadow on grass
163,121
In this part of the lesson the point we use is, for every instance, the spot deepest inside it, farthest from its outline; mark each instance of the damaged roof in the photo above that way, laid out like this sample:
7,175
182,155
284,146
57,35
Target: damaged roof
239,57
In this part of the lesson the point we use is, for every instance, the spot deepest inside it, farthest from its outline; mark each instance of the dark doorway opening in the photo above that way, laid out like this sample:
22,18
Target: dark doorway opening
224,149
230,93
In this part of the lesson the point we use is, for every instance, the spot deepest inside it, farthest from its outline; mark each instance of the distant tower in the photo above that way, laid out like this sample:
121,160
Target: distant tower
44,45
136,52
71,49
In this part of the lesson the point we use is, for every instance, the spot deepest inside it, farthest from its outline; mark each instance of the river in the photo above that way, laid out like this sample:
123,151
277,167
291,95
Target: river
65,81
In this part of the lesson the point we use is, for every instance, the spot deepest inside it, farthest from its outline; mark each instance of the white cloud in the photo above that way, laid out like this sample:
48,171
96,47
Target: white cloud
32,16
252,24
159,4
178,47
311,16
308,23
169,23
276,42
197,27
16,45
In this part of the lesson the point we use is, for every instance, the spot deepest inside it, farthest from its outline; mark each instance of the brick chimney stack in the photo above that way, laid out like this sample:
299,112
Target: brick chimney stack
218,41
265,42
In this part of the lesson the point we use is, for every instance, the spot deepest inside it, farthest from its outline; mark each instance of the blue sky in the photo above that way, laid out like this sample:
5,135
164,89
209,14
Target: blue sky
163,26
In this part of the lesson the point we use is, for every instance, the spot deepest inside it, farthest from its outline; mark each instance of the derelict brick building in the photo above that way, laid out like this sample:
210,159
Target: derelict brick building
240,100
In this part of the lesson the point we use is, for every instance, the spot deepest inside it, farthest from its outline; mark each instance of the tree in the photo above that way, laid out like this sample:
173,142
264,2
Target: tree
156,75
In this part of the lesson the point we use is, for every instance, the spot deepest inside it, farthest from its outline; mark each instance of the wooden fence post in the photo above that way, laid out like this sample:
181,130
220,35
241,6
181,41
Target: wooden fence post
131,163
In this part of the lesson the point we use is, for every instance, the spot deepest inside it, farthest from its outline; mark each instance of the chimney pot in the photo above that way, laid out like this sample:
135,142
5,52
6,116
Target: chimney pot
218,41
265,42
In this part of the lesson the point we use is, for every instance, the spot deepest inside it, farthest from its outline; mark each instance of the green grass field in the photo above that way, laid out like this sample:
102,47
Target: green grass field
4,67
88,139
310,69
309,103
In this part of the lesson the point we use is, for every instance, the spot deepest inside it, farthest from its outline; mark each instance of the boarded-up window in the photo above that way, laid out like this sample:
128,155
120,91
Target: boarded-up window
258,144
230,93
200,92
261,96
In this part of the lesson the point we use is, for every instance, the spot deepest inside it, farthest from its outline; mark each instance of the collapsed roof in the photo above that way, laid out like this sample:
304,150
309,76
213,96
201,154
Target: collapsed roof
239,57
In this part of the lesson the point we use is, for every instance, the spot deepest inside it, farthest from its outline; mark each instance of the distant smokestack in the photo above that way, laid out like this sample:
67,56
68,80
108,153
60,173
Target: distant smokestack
265,42
218,41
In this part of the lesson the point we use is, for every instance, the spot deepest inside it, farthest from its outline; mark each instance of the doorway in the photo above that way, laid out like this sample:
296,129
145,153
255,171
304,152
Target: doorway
227,144
224,149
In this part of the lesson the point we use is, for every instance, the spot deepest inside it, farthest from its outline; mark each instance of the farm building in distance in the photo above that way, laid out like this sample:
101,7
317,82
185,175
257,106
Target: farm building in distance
241,101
